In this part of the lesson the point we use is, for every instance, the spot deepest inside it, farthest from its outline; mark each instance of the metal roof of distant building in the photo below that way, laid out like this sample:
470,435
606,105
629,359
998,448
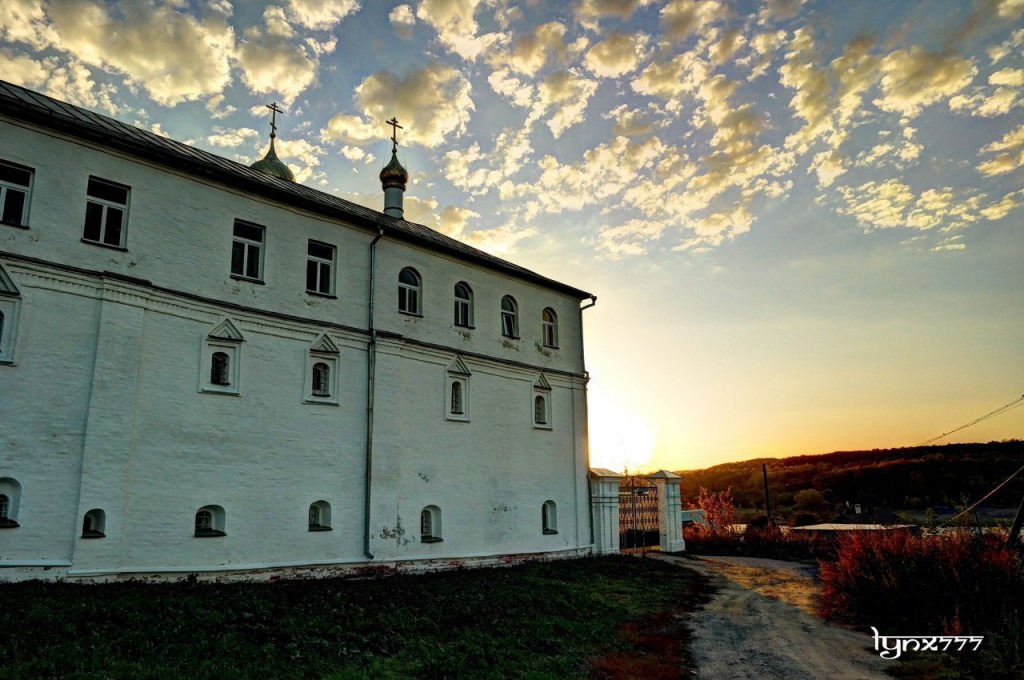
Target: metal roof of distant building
47,112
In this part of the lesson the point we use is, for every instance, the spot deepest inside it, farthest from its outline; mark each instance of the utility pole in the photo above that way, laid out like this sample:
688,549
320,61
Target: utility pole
767,501
1015,529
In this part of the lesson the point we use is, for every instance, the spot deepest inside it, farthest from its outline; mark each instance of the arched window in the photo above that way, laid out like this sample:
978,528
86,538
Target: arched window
210,521
219,365
549,328
430,524
540,410
10,496
509,317
457,399
549,517
463,305
321,380
320,516
409,285
94,524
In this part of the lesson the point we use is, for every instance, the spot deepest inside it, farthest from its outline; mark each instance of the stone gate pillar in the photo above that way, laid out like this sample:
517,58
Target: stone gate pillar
604,510
670,511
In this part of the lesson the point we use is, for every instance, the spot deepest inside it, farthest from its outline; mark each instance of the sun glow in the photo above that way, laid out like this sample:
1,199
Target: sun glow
619,439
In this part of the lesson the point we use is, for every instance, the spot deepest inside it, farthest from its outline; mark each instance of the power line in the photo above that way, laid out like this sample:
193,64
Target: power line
983,498
1002,409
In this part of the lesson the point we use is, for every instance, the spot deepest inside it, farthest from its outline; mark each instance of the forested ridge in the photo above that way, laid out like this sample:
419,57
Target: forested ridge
912,478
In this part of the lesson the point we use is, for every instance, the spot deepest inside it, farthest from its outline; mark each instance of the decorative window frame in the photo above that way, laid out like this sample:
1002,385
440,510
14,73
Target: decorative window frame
463,308
319,517
549,517
410,295
225,337
430,525
457,374
10,311
549,328
322,351
10,489
509,318
215,527
106,206
7,186
319,268
249,248
541,415
94,524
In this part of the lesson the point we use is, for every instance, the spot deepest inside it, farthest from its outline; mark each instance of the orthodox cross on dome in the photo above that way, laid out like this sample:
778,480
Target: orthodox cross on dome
395,127
273,118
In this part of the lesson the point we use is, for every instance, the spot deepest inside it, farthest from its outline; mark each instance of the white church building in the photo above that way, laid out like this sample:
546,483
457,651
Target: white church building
209,368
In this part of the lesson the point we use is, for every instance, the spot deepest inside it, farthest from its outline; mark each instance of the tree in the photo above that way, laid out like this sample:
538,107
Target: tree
719,509
810,500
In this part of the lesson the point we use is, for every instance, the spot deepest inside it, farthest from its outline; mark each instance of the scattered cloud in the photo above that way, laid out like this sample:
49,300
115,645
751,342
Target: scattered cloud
403,19
321,15
433,103
456,26
681,18
617,55
273,61
1009,154
913,79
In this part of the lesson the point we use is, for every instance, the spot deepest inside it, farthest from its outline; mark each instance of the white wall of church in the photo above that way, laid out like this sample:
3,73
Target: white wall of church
104,407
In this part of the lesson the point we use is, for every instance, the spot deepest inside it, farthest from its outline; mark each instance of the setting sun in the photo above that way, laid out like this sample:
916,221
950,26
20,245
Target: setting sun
619,439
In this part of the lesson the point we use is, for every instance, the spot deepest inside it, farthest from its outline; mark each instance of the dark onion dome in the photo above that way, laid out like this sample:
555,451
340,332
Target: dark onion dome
272,165
394,176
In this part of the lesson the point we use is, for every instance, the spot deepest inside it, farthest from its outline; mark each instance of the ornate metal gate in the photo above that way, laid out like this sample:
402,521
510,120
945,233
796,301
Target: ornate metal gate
638,513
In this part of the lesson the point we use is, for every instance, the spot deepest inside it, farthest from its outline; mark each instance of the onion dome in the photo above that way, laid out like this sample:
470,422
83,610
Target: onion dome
272,165
394,176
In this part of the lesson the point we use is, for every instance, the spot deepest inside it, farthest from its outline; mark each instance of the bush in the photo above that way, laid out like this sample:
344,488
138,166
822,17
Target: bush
950,584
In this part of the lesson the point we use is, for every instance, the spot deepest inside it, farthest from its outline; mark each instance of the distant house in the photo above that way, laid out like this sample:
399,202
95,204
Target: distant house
864,514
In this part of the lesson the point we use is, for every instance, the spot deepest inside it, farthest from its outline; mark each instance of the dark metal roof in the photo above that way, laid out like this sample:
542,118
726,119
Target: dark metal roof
38,109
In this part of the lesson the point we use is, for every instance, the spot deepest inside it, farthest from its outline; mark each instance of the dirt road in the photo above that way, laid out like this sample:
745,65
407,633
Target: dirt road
759,625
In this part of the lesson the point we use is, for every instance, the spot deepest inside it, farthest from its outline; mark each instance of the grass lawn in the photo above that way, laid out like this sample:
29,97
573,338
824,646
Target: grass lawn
595,617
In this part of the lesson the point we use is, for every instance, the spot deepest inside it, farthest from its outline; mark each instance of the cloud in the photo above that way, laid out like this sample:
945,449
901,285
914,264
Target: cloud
321,15
272,61
670,80
519,92
779,10
432,103
1004,207
349,129
892,204
174,56
453,220
728,44
680,18
631,238
913,79
499,240
1009,154
476,172
590,12
24,21
568,93
529,54
456,26
217,108
232,138
403,19
630,122
617,55
22,70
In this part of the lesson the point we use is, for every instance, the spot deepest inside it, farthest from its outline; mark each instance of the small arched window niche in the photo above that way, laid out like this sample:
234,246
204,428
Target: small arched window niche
457,390
410,288
322,371
541,404
94,524
430,524
221,364
320,516
210,522
549,518
10,499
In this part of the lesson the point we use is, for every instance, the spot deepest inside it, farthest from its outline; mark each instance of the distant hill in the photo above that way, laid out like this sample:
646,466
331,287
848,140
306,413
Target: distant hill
912,478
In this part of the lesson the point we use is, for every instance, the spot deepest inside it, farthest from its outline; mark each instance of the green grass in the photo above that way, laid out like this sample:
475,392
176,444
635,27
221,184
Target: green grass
541,620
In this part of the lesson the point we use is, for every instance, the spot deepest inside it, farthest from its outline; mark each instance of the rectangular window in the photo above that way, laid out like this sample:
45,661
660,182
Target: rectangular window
319,268
247,251
105,212
15,185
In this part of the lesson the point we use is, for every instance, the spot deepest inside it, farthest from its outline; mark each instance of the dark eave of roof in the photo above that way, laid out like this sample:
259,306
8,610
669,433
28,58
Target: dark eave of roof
38,109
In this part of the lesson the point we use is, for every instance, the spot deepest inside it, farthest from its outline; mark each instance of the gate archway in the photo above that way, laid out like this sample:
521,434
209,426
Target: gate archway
638,514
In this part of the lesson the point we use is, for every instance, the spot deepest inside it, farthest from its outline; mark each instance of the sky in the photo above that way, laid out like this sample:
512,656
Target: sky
802,220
